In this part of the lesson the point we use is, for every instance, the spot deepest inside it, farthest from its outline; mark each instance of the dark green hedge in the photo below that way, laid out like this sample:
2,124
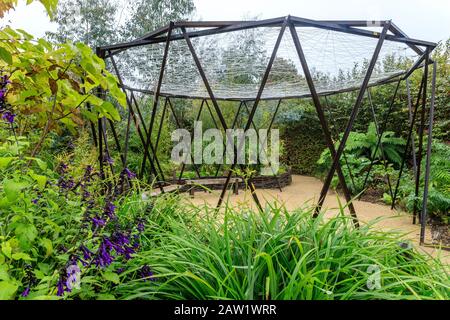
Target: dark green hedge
303,143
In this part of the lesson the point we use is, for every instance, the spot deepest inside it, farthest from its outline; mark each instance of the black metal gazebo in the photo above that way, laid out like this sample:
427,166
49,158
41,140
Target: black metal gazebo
202,82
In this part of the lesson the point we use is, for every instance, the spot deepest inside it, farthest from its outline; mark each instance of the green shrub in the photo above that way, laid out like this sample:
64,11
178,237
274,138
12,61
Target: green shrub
439,190
303,143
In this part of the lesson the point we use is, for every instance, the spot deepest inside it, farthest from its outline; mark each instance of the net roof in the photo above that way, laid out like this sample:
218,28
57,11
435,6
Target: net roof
234,63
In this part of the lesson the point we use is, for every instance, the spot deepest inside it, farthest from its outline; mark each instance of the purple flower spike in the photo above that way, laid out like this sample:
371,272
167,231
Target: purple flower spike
60,287
8,117
86,252
86,194
140,226
129,173
98,222
146,273
120,270
104,257
26,292
109,210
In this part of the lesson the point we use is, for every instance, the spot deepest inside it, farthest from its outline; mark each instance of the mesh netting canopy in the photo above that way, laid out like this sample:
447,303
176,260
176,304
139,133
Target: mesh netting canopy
235,55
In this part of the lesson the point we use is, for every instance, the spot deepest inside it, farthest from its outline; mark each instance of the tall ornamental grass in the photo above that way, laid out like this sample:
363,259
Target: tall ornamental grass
199,253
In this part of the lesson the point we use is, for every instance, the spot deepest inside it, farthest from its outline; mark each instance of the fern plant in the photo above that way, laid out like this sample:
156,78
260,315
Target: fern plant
359,152
365,144
439,189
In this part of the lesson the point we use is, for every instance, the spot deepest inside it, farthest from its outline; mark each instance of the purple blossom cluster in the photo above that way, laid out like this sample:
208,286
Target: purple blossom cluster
5,110
113,241
129,173
146,273
119,244
104,239
65,181
30,279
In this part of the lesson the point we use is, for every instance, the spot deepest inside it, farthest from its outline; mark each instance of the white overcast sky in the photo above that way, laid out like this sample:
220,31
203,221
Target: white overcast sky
422,19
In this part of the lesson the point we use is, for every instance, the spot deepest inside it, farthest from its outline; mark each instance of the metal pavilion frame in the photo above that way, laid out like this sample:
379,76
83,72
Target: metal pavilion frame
389,32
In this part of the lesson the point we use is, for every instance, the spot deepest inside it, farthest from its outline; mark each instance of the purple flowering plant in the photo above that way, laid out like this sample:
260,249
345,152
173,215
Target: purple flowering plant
6,111
72,224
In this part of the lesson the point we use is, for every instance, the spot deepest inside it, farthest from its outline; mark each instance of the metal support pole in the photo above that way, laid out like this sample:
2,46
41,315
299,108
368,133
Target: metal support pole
183,166
106,147
156,97
408,141
233,125
410,112
211,114
324,124
353,115
252,114
100,148
413,147
253,111
257,135
380,137
123,154
138,110
179,127
161,123
421,131
344,154
385,120
152,149
116,140
101,54
136,122
428,159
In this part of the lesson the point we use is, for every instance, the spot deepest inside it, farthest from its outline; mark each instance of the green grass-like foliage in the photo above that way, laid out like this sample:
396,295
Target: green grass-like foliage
196,253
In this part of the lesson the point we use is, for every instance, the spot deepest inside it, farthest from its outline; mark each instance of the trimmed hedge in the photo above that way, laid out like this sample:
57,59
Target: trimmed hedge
303,143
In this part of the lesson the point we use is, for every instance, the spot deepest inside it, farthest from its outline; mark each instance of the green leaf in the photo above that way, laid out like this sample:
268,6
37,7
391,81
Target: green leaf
6,249
111,276
13,189
109,108
47,244
4,203
21,256
50,6
106,296
40,179
39,274
4,161
5,55
42,164
8,290
4,272
26,233
89,115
